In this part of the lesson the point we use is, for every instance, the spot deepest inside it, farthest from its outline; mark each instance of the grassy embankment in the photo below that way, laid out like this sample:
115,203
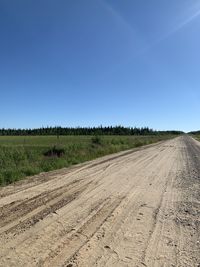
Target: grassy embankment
22,156
196,136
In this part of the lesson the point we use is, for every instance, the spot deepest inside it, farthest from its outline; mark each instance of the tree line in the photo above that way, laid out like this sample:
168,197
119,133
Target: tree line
110,130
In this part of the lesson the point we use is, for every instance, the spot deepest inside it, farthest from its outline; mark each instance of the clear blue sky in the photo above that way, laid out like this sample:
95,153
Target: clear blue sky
92,62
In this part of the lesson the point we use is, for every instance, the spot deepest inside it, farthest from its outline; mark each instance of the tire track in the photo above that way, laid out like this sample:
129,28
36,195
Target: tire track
13,210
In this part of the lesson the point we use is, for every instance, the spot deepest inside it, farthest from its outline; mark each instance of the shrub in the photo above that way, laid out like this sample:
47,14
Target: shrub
96,140
54,152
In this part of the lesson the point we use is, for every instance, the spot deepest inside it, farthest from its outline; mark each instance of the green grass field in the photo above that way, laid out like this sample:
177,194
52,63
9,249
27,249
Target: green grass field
22,156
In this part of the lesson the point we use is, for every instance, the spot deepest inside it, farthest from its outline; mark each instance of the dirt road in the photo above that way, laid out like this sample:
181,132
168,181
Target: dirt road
138,208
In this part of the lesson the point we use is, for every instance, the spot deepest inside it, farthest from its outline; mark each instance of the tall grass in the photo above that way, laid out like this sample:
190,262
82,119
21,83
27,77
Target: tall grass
24,156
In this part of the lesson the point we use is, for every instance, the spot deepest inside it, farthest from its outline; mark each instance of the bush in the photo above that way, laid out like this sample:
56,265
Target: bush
54,152
96,140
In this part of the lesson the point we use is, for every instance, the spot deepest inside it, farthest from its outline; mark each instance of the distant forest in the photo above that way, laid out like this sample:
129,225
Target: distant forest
116,130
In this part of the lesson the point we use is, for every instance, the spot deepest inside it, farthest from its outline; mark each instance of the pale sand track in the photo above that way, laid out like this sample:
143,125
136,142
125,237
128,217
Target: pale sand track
136,208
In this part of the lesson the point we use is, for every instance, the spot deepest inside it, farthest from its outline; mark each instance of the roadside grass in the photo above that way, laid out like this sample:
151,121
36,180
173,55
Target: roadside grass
196,136
22,156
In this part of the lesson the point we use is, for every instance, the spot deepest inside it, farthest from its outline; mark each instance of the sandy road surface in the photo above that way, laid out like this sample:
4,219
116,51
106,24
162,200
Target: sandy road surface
130,209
